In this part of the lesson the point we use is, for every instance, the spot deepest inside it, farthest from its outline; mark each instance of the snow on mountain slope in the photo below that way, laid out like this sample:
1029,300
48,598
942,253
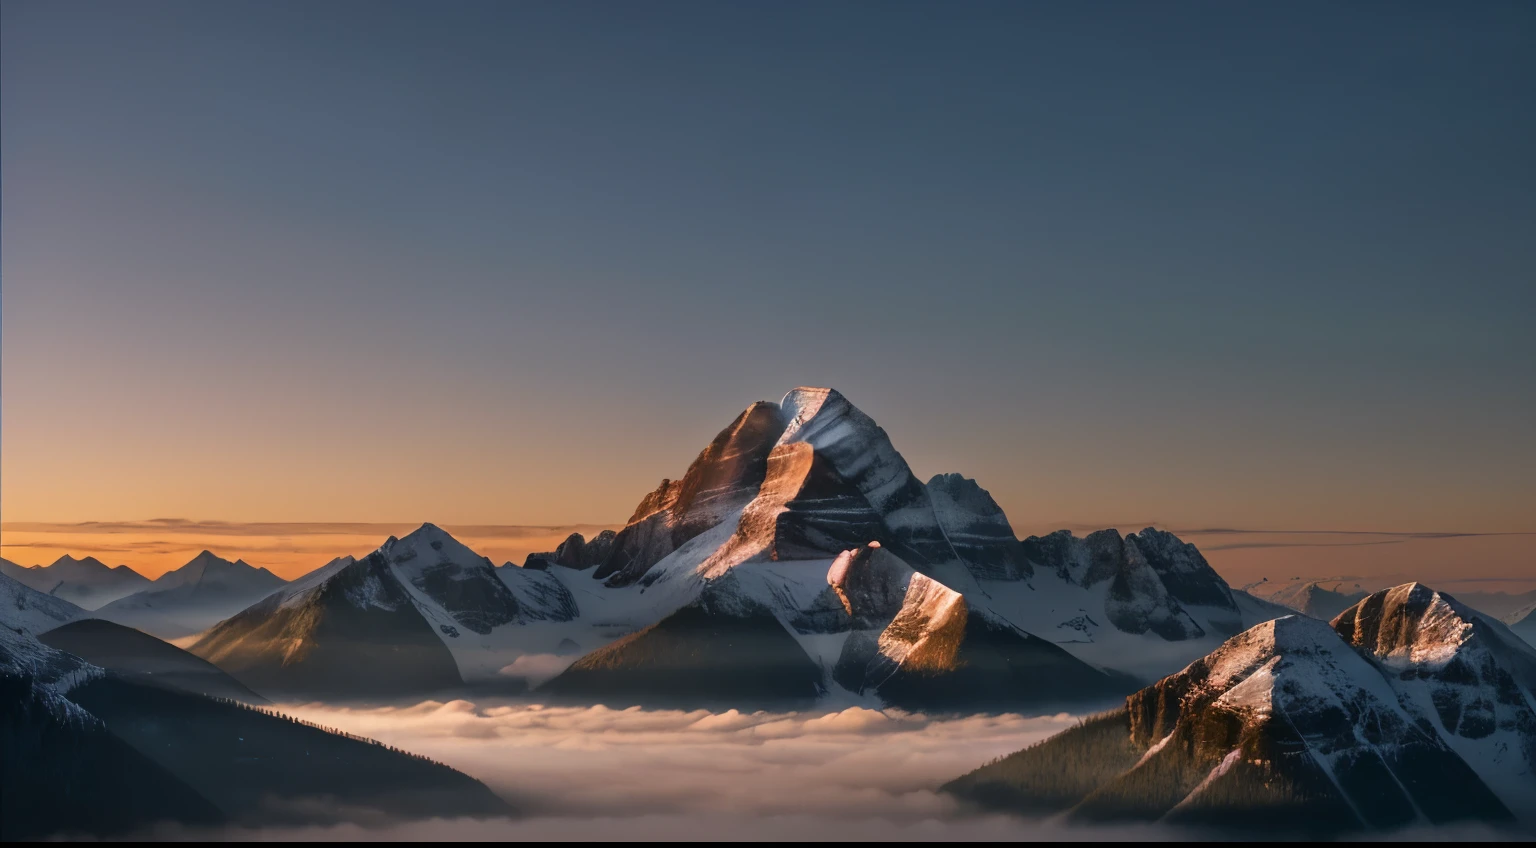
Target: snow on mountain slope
357,632
1309,597
286,592
864,628
87,582
192,598
1292,693
861,454
751,530
722,479
1460,672
830,480
1283,730
575,552
25,609
1144,604
976,528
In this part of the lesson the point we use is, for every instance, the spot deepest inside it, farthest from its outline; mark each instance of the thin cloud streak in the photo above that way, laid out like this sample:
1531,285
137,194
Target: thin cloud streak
1245,545
181,526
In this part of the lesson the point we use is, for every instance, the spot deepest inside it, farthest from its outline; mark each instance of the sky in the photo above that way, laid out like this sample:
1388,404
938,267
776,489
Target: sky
1198,265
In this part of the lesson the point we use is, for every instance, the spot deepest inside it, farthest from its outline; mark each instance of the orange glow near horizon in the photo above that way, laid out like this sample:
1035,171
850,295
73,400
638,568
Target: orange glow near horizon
1498,562
286,549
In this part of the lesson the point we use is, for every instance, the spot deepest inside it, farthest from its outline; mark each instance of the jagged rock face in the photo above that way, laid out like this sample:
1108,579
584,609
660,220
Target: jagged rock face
1059,553
1284,728
804,509
759,518
1186,575
540,596
861,454
26,609
1138,601
724,478
1306,596
827,478
870,594
378,609
575,552
977,529
460,581
919,645
877,627
1458,671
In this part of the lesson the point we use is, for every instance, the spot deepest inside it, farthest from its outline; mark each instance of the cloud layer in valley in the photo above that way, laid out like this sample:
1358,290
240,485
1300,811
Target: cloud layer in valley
596,761
594,773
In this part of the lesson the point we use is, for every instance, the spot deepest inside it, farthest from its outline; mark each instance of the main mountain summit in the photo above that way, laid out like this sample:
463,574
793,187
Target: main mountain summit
797,557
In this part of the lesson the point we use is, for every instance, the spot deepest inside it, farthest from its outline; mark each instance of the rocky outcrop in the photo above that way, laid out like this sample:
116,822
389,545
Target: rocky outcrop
976,529
1459,672
576,552
1285,728
724,478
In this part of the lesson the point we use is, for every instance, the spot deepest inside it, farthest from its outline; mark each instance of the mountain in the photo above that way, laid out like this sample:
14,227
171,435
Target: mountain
141,657
1308,597
192,598
25,608
87,582
732,566
411,617
92,752
1409,708
1523,623
876,627
63,771
1460,672
575,552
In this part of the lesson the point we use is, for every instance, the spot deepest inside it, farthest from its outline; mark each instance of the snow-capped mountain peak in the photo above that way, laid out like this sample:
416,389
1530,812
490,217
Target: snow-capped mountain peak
26,609
208,568
1460,672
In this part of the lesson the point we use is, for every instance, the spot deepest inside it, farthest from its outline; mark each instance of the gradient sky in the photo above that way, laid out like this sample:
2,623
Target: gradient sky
1200,264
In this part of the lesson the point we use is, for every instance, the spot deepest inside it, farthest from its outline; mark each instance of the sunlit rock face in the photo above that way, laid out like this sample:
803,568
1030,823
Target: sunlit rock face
802,518
724,477
1288,727
1459,672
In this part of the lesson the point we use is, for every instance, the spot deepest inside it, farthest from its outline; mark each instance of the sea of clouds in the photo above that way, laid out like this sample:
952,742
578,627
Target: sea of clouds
594,773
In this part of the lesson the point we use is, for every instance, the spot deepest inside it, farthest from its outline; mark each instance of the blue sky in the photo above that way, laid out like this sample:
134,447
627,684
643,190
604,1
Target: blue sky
1204,263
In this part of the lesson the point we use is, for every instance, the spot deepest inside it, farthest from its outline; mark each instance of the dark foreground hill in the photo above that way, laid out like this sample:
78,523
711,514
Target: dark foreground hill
64,773
88,752
259,767
138,656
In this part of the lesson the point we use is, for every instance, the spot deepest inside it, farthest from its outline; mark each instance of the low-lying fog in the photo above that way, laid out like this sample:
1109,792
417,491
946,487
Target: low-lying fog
595,761
593,773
